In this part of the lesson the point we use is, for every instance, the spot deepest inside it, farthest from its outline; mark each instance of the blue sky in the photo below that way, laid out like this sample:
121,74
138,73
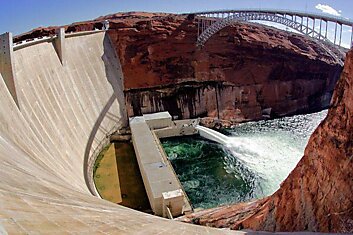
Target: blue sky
20,16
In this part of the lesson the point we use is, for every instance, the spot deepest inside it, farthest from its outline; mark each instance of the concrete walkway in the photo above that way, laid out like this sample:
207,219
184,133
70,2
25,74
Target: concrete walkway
163,188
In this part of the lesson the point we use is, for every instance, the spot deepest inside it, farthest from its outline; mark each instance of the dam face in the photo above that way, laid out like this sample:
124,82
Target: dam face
62,116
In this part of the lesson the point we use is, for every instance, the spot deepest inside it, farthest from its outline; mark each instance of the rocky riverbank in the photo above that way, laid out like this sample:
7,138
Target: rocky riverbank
317,195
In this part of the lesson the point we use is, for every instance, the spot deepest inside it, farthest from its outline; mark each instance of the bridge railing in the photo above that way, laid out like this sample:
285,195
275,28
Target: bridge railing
327,17
316,29
212,21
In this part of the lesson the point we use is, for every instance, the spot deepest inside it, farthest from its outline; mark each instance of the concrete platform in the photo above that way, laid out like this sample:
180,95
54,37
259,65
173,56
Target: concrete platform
157,173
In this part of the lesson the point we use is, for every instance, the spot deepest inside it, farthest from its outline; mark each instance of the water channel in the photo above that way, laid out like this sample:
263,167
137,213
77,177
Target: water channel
257,158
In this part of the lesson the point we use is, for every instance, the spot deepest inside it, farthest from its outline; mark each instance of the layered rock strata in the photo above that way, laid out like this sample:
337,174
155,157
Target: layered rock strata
243,72
317,194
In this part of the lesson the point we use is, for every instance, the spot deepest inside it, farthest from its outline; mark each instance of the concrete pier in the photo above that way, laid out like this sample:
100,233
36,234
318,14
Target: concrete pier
59,44
6,63
163,188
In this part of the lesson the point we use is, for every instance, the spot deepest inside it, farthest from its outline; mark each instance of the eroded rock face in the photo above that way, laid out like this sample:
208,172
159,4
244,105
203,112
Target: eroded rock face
241,71
317,195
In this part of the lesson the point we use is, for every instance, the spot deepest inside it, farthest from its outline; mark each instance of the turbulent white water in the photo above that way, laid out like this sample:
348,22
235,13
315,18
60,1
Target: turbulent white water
251,161
271,149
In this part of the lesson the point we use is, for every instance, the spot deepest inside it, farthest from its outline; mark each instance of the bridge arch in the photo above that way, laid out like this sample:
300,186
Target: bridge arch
211,22
220,24
293,19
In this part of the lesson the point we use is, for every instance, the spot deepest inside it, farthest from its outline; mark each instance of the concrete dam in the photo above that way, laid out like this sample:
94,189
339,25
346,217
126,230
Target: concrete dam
62,97
62,115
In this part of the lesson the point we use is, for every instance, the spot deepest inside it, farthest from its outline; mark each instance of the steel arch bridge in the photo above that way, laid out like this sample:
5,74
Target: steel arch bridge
312,25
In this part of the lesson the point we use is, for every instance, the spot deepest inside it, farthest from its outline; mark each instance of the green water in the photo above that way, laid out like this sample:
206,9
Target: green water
200,166
257,158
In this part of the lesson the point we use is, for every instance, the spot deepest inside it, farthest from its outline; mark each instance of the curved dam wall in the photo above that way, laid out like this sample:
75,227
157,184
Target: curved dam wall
63,114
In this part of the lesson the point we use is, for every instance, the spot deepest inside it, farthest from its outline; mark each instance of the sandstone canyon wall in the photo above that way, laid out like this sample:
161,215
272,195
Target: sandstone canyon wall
317,195
242,70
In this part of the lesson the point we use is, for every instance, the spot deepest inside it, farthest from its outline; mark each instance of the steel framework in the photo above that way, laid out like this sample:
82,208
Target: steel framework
211,22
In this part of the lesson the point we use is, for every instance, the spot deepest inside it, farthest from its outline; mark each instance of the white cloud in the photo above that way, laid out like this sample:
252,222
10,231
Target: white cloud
328,9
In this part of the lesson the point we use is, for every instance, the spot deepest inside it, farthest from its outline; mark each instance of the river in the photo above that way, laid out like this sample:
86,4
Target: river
258,157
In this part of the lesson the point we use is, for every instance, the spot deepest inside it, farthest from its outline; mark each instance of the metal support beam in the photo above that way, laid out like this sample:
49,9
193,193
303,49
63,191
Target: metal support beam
212,22
326,29
202,25
334,42
352,36
340,36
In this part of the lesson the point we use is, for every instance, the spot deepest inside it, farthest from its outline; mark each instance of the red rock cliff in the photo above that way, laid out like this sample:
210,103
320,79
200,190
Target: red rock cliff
317,195
243,69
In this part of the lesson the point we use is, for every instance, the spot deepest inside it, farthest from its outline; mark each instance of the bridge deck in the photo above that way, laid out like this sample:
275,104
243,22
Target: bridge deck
340,20
321,27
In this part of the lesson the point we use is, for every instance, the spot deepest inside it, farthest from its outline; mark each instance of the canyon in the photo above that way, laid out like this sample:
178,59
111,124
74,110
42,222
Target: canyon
244,71
317,194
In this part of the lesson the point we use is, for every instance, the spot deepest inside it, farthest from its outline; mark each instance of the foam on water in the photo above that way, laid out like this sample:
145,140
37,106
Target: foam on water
254,159
271,149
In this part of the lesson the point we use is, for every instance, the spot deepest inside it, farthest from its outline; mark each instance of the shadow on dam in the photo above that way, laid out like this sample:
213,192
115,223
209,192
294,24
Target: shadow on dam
50,136
61,111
